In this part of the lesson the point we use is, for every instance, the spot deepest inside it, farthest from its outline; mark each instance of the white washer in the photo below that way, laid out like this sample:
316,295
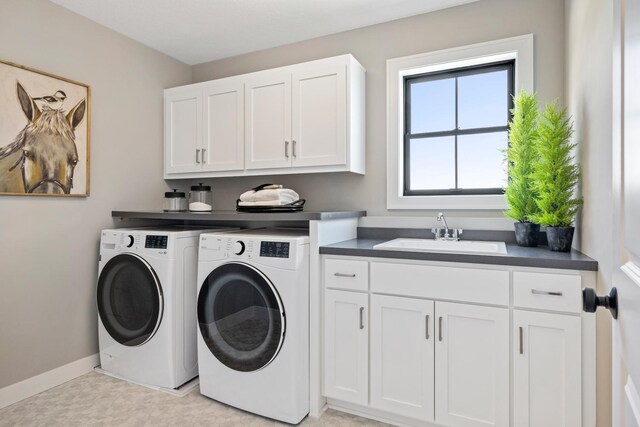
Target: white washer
253,317
146,304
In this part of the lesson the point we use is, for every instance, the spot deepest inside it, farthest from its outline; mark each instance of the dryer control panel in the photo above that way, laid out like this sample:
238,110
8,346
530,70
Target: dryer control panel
276,252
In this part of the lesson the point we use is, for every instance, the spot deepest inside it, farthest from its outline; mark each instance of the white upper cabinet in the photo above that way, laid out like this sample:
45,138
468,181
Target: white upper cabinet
303,118
268,120
320,114
223,133
182,129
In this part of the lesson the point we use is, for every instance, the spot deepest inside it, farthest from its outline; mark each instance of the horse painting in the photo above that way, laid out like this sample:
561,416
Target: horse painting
43,156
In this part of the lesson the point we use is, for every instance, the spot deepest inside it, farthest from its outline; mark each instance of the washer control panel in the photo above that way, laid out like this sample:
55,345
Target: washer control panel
276,252
274,249
155,242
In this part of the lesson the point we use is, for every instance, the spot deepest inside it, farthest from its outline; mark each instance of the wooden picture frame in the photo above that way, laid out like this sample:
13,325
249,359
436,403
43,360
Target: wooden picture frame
44,133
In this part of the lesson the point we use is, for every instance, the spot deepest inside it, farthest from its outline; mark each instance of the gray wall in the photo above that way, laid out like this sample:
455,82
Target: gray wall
589,29
372,46
49,246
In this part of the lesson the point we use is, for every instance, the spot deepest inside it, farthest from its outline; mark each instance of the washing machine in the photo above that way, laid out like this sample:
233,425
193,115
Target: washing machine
253,321
146,299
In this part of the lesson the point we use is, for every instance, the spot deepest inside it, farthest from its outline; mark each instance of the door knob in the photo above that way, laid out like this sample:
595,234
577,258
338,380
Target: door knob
591,301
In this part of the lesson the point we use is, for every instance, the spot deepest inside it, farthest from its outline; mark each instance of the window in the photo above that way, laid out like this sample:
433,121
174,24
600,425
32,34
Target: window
455,125
447,122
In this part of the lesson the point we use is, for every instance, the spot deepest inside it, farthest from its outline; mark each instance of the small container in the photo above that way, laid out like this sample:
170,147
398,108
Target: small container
175,201
200,198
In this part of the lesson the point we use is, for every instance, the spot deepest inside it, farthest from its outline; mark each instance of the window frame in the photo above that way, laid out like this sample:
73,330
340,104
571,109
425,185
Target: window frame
517,49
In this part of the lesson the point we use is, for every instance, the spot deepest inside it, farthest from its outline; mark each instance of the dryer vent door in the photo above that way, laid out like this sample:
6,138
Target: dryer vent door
130,301
241,317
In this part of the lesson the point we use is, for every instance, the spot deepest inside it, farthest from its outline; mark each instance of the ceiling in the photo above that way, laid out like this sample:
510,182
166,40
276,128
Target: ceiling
196,31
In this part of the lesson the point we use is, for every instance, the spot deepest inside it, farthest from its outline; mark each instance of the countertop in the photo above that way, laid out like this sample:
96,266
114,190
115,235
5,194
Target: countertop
516,255
238,216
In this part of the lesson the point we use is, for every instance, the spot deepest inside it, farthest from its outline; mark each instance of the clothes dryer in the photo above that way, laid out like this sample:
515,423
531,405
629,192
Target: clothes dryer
253,317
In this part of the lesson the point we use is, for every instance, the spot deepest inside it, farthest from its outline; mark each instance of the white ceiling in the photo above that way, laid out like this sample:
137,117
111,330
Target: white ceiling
196,31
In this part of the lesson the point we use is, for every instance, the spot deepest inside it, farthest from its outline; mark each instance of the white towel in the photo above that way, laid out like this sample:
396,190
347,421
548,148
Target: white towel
265,203
280,196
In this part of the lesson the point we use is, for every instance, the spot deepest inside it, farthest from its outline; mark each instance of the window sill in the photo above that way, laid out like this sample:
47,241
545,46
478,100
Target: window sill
462,202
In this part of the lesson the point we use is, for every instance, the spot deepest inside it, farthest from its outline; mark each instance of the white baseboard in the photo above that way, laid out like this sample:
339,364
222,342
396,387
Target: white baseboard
34,385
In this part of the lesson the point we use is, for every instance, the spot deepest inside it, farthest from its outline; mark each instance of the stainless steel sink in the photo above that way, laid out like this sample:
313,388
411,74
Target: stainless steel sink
449,246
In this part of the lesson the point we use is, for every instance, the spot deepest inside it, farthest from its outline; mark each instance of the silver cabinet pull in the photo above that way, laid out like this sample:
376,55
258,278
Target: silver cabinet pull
204,150
293,147
286,149
361,317
197,155
344,275
521,341
440,328
553,293
426,327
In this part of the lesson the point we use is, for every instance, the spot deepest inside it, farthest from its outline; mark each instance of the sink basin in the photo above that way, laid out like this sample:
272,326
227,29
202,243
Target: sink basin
428,245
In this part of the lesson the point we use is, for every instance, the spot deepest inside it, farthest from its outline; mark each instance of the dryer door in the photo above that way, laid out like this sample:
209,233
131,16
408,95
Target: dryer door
241,317
130,302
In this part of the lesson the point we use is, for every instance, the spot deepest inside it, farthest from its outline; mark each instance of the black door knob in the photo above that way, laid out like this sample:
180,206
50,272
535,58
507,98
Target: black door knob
591,301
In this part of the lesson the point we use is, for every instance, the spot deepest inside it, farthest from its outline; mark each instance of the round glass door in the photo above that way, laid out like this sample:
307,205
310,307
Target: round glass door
130,299
241,317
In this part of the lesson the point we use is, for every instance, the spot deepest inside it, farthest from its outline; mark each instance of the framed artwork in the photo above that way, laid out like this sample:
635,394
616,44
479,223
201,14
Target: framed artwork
44,133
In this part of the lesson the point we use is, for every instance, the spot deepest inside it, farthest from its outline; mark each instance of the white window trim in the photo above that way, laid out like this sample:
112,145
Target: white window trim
518,48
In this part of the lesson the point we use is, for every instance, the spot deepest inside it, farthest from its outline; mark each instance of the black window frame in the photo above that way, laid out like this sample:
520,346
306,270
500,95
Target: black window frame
509,66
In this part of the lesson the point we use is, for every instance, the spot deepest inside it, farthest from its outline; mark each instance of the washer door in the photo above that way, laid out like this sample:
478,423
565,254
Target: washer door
241,317
130,301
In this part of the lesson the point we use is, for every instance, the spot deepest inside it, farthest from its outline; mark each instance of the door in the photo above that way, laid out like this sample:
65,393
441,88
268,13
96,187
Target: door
130,300
402,359
182,130
626,235
547,370
319,114
346,340
268,120
472,365
241,317
223,133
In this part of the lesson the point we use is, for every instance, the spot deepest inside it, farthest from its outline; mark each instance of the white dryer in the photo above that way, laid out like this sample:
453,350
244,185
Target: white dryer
146,304
253,317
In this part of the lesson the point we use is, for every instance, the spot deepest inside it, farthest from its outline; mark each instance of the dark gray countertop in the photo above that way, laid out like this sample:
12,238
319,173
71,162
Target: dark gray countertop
516,255
236,216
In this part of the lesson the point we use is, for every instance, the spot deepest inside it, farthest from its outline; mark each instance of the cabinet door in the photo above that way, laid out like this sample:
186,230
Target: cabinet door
223,133
346,342
547,382
472,365
402,359
268,120
182,129
319,114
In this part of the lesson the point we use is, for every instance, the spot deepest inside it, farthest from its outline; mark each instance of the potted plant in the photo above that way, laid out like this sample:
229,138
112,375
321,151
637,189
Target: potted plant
555,176
520,158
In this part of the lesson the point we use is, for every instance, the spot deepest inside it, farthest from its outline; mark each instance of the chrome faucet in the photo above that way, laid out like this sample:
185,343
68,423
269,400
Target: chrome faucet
455,233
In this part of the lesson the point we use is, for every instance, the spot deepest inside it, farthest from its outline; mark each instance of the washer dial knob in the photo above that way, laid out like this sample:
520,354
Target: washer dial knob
130,240
238,247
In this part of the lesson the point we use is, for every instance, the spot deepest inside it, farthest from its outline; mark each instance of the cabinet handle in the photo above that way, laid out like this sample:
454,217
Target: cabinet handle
426,326
286,149
440,328
293,147
537,292
204,150
361,317
197,155
521,341
344,275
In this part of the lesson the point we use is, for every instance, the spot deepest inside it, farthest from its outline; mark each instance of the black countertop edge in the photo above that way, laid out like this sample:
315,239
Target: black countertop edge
540,257
237,216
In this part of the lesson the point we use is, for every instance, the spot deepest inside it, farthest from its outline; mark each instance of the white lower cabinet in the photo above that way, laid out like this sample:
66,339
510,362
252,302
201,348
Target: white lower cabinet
402,341
472,365
346,343
547,376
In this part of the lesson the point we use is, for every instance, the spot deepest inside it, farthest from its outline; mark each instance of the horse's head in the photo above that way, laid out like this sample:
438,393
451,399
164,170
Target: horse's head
49,153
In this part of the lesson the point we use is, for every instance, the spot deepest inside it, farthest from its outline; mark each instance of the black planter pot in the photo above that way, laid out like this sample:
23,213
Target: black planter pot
527,234
560,238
